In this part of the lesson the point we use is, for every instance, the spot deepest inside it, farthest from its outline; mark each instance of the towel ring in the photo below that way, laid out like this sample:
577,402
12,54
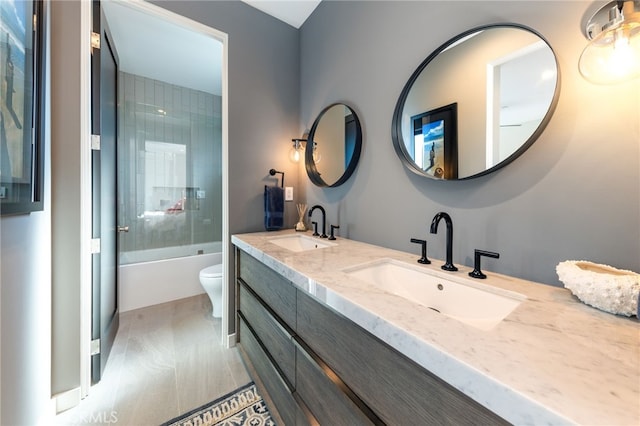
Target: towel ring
273,172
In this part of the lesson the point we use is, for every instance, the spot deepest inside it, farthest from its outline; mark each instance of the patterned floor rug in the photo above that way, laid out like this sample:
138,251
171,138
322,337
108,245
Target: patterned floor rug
242,407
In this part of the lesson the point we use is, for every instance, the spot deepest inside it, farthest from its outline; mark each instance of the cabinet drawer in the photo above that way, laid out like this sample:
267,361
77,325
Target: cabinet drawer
275,290
398,390
328,403
276,387
274,337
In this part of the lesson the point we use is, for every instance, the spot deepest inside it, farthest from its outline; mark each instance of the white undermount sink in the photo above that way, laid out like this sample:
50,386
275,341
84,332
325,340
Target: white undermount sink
299,242
458,297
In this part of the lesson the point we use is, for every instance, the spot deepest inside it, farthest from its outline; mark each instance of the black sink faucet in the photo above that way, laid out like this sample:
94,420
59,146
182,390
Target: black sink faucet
324,217
333,228
477,273
448,266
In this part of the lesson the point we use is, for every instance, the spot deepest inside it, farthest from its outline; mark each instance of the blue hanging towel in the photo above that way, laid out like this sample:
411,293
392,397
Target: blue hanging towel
273,208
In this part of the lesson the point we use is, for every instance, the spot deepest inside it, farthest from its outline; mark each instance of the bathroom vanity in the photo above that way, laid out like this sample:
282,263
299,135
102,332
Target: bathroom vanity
329,347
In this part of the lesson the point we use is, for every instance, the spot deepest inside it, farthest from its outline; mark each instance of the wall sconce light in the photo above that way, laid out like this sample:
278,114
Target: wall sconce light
297,150
613,53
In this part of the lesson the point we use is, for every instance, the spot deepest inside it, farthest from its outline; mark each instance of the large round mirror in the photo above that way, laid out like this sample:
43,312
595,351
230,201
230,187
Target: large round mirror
476,103
333,146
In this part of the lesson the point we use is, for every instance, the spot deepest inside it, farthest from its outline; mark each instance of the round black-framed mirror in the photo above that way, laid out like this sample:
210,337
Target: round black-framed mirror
476,103
333,146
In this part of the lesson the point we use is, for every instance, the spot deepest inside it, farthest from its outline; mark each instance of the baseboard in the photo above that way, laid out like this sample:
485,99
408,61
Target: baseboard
48,417
231,340
67,400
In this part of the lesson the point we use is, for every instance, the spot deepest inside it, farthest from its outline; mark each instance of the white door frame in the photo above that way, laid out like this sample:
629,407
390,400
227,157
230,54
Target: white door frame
493,100
227,338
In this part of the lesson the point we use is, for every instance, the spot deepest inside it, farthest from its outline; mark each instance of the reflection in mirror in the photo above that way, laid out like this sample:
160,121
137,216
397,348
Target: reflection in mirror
476,103
333,150
433,142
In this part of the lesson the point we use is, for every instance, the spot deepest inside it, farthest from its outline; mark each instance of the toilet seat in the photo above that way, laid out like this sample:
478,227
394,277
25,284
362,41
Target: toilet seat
214,271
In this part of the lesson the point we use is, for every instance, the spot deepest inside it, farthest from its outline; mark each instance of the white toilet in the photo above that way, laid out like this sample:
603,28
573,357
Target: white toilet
211,280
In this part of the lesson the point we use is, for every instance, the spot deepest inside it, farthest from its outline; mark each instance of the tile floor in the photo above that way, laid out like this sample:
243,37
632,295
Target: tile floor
166,360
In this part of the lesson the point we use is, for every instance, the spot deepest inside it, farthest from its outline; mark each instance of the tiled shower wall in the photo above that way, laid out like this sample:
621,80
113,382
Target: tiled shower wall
155,111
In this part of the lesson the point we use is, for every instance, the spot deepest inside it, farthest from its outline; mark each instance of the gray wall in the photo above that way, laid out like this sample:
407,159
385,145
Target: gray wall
25,316
67,149
575,194
263,110
263,100
263,106
25,310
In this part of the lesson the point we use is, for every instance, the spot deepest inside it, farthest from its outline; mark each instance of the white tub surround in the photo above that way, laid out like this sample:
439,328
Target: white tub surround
151,283
553,360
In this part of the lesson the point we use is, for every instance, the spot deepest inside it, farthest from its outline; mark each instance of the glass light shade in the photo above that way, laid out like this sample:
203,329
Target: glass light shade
296,150
294,154
613,55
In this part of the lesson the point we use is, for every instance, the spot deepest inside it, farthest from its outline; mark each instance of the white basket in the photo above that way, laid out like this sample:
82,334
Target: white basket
601,286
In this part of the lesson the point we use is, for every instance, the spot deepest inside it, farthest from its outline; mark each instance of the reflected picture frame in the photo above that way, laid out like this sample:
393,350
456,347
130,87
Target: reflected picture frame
434,147
22,59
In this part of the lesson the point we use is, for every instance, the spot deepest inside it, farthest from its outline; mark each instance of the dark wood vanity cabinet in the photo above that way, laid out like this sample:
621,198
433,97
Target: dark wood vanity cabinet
271,378
275,337
266,321
319,367
324,394
276,292
396,388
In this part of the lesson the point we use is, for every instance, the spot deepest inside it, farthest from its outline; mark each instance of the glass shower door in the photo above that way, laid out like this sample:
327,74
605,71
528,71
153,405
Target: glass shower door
170,166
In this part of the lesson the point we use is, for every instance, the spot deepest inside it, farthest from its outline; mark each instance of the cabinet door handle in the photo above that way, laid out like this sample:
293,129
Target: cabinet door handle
123,229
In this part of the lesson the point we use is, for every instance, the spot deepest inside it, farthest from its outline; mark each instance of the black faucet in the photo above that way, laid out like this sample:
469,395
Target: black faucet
333,228
423,244
448,266
477,273
324,216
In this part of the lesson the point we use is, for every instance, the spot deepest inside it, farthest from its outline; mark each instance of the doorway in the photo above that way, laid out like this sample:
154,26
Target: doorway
172,152
515,110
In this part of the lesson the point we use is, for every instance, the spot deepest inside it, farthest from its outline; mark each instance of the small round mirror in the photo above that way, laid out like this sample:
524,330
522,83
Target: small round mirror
333,146
476,103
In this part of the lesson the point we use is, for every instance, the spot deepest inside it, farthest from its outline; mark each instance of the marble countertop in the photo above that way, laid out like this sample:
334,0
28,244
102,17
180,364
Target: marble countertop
553,360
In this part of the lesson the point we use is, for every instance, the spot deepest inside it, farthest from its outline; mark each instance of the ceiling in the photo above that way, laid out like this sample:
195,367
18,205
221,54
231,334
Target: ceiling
164,51
293,12
173,53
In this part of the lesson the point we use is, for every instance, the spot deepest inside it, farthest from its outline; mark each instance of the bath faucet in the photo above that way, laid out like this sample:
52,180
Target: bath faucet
333,228
448,266
324,218
423,243
477,273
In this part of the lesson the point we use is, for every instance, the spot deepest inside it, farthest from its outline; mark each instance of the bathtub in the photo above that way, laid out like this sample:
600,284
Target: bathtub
143,282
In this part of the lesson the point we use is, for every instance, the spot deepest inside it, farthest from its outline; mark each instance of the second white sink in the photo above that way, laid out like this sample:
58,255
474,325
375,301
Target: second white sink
458,297
298,242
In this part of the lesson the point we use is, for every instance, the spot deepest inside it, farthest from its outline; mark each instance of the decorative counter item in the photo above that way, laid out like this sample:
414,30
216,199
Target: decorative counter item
300,226
601,286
